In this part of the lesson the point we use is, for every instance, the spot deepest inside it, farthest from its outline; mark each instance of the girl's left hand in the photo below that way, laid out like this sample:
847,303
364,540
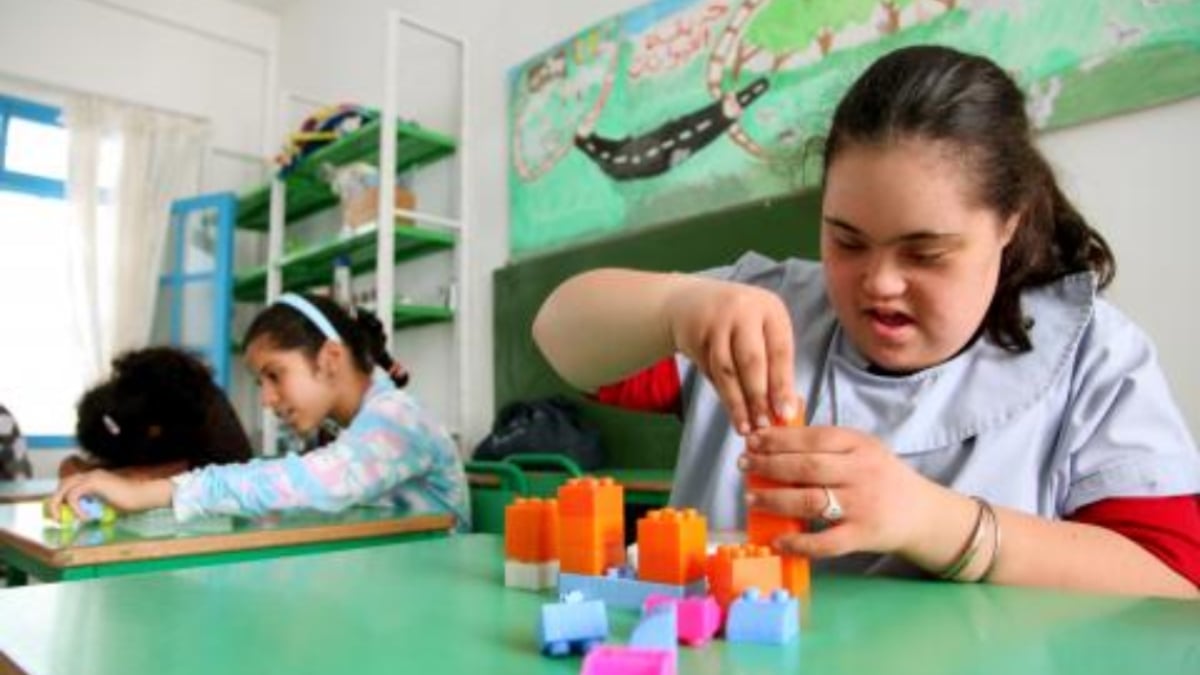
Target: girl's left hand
123,494
887,507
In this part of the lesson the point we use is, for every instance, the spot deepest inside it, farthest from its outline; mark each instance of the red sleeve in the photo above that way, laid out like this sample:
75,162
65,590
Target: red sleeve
655,389
1168,527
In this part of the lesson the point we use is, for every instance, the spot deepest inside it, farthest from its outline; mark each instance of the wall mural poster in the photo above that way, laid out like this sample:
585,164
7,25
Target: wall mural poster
686,106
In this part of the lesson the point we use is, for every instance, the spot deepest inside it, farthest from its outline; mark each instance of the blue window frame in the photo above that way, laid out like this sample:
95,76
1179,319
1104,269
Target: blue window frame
16,109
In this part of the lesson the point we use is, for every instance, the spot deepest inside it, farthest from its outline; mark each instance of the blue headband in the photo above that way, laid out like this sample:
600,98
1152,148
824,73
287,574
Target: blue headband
310,312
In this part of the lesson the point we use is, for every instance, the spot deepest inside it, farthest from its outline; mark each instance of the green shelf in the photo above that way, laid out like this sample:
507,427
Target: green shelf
307,193
409,316
314,266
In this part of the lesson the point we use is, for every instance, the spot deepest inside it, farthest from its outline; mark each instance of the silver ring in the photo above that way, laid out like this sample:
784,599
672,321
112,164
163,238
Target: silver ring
833,509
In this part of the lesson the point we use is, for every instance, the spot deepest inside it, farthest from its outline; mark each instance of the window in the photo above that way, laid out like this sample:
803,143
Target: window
40,359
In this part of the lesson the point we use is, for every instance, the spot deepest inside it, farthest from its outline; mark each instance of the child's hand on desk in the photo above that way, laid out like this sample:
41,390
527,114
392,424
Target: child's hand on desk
886,506
740,337
121,493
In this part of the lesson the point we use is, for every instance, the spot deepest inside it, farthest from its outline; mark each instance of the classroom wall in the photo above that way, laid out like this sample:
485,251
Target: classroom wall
335,53
1134,176
1130,174
212,59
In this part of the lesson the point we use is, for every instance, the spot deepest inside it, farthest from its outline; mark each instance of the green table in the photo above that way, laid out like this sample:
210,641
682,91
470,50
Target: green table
153,542
440,607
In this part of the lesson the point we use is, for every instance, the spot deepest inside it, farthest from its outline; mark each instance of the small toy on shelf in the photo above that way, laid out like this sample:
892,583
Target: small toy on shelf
531,544
319,129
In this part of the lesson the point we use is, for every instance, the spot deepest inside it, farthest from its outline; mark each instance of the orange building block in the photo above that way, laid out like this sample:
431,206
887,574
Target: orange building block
763,527
531,530
591,525
671,546
735,568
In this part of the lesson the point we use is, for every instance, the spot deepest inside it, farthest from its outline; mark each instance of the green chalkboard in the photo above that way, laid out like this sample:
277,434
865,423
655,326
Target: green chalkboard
779,228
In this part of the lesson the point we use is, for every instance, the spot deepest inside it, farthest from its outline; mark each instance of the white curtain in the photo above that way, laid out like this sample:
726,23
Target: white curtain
126,165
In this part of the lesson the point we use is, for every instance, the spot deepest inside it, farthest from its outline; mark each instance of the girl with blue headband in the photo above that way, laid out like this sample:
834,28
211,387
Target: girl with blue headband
315,364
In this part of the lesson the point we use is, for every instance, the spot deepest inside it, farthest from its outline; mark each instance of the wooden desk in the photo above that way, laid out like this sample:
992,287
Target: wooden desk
441,607
32,547
26,490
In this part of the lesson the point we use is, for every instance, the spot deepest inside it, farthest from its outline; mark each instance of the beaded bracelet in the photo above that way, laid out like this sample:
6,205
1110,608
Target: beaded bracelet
971,547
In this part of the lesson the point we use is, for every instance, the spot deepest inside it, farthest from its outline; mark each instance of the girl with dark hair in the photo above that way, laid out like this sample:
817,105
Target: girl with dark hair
158,414
314,363
974,409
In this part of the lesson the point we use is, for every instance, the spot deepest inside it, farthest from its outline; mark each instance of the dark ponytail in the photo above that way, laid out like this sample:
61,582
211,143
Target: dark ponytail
287,328
970,104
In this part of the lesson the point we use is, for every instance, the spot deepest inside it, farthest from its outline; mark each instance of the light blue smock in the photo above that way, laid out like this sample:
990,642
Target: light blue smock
1086,415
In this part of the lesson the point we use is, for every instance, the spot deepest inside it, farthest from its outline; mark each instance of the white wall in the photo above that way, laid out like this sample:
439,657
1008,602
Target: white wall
210,60
1135,178
1133,175
213,60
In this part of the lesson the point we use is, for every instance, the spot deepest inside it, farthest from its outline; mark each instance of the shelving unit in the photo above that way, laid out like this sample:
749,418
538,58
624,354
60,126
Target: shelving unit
313,266
308,194
407,234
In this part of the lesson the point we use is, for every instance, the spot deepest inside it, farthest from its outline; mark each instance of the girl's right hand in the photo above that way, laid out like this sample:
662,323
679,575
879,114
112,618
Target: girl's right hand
123,494
740,337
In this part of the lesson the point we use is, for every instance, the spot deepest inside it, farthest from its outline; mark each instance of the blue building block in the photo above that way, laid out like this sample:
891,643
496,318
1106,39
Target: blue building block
618,588
574,624
773,620
657,630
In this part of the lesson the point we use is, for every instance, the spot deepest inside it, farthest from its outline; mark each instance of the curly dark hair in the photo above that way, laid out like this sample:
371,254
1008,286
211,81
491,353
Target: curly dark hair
968,102
160,405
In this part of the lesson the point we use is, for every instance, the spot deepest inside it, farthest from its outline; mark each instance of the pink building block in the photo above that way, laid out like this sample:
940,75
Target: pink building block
697,619
614,660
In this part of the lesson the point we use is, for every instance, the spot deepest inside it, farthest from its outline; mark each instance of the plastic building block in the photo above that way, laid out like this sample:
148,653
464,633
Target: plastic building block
763,528
697,620
618,588
658,629
671,546
771,620
735,568
93,510
530,576
531,530
591,525
573,624
614,660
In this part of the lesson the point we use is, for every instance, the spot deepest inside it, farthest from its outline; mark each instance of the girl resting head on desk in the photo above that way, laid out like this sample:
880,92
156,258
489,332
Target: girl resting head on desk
975,410
314,363
159,413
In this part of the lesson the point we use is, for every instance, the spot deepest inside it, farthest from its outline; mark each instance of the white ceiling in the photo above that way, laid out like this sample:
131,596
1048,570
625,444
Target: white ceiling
273,6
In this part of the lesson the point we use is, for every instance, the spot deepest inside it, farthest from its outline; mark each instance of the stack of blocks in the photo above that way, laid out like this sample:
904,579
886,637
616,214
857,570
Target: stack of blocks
736,568
591,525
579,539
762,528
671,547
531,547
